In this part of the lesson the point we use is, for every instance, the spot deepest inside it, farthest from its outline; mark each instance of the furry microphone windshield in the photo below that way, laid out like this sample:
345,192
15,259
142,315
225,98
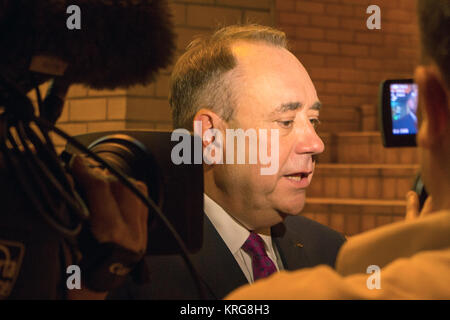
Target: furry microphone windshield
120,43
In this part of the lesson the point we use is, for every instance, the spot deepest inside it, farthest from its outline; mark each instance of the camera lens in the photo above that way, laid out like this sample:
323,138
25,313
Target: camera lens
132,158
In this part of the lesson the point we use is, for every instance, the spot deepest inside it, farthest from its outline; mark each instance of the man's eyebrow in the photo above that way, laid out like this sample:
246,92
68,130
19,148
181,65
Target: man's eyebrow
290,106
316,106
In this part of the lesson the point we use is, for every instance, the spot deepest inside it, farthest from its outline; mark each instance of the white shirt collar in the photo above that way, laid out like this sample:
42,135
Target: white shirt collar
231,231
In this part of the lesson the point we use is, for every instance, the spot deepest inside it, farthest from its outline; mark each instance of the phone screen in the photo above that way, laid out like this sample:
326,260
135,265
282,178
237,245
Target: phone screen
404,100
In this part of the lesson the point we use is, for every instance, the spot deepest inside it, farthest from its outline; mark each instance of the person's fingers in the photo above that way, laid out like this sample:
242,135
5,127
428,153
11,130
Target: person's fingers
144,215
142,187
125,196
117,214
427,207
133,210
95,187
91,163
70,179
412,206
127,202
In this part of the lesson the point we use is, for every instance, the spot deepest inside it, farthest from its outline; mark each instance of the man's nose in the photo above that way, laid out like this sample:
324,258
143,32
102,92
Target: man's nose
308,141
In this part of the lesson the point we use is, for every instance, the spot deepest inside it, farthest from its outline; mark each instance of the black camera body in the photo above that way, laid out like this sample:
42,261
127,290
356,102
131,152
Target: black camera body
177,189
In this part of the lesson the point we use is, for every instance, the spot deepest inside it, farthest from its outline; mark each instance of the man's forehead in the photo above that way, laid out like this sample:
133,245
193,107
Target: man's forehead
256,59
249,51
273,77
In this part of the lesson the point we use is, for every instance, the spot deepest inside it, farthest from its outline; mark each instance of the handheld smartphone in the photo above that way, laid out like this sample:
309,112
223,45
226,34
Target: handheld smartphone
419,188
398,112
398,120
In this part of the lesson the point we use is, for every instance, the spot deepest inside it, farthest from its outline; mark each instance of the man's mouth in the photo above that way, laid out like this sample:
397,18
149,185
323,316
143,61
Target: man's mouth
300,179
298,175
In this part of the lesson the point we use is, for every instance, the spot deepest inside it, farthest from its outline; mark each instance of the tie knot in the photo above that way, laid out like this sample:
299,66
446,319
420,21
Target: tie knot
254,245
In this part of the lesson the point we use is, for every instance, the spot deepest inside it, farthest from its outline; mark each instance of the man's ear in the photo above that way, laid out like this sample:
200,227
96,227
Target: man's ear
433,102
204,120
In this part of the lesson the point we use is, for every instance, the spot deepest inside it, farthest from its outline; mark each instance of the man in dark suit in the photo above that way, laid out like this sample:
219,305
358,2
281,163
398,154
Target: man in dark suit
301,243
407,259
409,120
243,83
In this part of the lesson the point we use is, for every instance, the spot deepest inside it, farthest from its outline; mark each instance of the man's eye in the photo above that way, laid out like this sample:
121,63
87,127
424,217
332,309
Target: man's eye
286,124
315,122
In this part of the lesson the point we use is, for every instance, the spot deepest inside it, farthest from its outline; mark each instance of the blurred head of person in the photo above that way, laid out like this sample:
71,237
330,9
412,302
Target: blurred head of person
411,104
433,79
243,77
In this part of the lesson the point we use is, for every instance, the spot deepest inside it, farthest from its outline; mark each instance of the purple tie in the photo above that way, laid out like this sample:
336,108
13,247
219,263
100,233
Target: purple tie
262,265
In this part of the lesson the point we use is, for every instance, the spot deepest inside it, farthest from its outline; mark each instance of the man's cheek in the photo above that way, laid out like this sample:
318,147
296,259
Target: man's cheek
262,185
313,170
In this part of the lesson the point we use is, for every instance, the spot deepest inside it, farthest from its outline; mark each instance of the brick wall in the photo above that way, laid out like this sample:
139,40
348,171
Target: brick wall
141,107
358,184
347,61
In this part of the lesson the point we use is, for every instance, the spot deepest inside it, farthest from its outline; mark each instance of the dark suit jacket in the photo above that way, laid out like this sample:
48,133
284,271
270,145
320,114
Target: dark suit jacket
406,122
301,243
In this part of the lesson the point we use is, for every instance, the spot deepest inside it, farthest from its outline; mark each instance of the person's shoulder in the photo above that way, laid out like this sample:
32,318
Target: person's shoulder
319,242
410,237
316,237
306,226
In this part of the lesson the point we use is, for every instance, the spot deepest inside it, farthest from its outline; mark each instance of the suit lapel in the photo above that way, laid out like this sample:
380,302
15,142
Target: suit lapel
289,247
215,263
218,267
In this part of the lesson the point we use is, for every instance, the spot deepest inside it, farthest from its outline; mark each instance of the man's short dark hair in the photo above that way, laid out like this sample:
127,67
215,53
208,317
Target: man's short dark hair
434,21
199,78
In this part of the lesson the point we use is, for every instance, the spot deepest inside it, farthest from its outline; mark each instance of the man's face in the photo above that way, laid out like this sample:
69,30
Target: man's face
273,91
412,103
433,136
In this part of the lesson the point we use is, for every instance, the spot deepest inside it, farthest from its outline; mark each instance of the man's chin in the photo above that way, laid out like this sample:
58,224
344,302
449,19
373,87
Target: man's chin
293,204
292,210
278,217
